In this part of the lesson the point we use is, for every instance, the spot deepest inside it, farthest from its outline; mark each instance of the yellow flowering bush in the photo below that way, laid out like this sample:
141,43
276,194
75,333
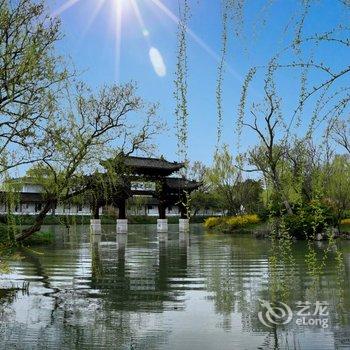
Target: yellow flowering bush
212,222
232,221
345,222
242,220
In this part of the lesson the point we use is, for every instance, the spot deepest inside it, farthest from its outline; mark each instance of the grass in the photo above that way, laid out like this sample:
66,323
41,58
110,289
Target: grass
40,238
345,228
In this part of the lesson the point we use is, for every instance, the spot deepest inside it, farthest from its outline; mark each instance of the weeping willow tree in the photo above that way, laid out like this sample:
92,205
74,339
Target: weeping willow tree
220,72
113,122
181,95
181,84
231,15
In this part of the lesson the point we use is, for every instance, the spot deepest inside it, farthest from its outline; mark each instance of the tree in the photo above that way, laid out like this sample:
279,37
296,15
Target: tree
249,196
196,172
341,133
97,126
205,200
338,185
222,178
31,75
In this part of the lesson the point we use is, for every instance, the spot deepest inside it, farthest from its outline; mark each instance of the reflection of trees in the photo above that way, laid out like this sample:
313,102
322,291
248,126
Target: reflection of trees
7,296
239,273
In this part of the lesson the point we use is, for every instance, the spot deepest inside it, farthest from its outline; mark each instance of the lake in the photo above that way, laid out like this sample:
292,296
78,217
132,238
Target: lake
194,290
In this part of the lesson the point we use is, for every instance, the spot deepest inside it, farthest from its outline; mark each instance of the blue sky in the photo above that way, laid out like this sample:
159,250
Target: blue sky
91,44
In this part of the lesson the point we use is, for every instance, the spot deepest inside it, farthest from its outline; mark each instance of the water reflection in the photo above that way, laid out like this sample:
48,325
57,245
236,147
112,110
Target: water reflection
149,290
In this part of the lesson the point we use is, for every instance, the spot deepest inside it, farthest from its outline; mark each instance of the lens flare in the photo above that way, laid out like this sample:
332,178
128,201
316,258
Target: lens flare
157,62
118,38
64,7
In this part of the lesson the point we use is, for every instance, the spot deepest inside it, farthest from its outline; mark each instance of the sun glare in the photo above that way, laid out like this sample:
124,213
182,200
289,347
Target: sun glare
130,8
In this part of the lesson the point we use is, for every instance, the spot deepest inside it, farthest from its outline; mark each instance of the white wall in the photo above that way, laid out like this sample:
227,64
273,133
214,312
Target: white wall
28,188
32,209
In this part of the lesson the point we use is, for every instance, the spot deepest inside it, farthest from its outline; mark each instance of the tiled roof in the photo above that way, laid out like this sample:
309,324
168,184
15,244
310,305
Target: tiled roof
148,166
175,183
155,163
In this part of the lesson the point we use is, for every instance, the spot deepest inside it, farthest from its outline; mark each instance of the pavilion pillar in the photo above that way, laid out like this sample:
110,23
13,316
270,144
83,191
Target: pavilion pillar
122,221
184,221
162,222
184,225
95,226
121,242
162,225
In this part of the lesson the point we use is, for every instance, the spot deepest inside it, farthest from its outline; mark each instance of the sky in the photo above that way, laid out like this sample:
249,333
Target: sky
146,53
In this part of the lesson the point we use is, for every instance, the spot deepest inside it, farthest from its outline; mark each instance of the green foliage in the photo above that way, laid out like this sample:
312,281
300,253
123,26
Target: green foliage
222,177
310,219
337,187
31,77
233,194
202,201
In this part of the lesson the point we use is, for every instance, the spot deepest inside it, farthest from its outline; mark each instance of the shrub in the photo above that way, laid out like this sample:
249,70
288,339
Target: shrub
345,222
242,220
309,219
212,222
232,222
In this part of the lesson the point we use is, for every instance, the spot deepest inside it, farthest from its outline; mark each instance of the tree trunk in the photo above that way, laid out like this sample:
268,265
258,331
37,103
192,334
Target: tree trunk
95,211
279,190
39,220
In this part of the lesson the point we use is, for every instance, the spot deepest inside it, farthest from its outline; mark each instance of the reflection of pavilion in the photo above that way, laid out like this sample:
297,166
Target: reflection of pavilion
140,277
143,178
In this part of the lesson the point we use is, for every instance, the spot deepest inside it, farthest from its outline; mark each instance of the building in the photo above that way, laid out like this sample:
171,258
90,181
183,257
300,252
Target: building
28,200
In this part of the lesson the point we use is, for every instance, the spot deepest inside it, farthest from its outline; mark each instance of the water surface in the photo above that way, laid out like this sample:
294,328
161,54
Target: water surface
166,291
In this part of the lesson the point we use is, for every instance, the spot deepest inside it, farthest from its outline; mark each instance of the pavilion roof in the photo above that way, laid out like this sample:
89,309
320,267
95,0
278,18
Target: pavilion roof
151,166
